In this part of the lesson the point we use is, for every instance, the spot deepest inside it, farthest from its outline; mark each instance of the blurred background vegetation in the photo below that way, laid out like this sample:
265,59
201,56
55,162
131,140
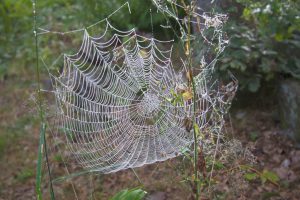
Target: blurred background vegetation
265,41
16,25
264,35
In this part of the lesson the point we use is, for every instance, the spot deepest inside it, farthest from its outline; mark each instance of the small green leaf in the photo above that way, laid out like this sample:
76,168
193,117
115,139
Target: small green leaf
279,37
169,100
196,129
219,165
184,150
132,194
250,176
268,175
247,13
253,136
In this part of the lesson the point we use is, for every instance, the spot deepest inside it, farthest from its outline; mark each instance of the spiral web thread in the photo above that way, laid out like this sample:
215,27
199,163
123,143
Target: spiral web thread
122,105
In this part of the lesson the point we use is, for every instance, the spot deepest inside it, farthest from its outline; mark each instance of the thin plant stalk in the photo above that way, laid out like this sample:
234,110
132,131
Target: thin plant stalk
136,175
39,164
190,66
42,142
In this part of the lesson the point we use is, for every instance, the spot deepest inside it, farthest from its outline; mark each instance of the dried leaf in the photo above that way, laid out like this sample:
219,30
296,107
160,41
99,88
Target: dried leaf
187,95
187,49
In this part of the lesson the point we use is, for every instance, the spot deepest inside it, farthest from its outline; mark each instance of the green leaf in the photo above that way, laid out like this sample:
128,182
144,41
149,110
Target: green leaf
196,129
219,165
247,13
268,175
279,37
132,194
250,176
253,136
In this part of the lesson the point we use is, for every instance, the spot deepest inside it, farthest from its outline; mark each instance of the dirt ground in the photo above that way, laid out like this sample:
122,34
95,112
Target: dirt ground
256,129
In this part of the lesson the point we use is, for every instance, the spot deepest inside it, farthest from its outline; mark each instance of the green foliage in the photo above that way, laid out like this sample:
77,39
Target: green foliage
250,176
16,25
264,35
58,158
266,175
15,28
132,194
253,136
264,41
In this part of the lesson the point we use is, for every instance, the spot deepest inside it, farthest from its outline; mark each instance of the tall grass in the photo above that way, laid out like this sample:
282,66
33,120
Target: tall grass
42,142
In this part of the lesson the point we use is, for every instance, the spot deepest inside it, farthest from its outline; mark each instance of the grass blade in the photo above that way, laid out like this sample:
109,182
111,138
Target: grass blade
40,162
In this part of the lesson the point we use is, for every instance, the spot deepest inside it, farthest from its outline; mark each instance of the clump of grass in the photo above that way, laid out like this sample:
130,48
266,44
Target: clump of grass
58,158
25,174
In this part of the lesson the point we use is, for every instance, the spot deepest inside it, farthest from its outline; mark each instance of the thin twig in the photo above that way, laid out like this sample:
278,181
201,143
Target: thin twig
138,178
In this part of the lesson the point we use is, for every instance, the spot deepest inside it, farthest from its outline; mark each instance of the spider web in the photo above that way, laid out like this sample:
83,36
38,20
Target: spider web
121,103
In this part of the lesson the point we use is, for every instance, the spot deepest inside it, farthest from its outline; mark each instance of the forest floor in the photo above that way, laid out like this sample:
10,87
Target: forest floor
274,155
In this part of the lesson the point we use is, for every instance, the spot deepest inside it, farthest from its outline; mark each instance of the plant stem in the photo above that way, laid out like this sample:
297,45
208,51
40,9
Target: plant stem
138,178
195,157
43,147
39,100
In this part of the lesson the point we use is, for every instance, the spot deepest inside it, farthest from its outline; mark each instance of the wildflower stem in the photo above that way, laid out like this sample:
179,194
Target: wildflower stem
189,11
43,146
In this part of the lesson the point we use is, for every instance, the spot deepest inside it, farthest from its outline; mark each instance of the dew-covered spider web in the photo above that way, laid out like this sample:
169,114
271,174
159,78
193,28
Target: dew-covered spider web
122,102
